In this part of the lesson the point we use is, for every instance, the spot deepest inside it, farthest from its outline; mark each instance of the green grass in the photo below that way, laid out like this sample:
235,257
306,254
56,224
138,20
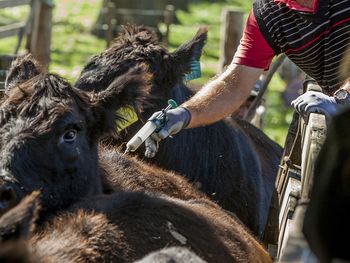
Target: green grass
72,42
73,45
278,116
7,16
209,15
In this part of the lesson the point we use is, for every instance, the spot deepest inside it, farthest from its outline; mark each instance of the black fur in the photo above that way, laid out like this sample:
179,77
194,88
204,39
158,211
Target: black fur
220,158
94,203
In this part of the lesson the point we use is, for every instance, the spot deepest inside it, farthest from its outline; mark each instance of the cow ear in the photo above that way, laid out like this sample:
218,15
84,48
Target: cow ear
22,69
128,90
190,51
19,222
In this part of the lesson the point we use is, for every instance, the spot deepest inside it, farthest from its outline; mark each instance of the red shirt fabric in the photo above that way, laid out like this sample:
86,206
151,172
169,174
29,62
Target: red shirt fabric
292,4
253,50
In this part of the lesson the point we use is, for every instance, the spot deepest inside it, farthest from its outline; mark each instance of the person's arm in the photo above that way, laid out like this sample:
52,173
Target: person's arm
227,92
216,100
222,96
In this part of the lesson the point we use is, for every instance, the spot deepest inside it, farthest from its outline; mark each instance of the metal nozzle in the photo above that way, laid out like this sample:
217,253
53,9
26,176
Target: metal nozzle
127,150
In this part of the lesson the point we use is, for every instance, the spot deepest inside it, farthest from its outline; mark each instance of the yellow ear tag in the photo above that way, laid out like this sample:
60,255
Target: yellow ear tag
129,117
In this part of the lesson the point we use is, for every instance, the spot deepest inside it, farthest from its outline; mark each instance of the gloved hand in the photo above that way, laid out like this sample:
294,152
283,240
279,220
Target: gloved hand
177,119
313,101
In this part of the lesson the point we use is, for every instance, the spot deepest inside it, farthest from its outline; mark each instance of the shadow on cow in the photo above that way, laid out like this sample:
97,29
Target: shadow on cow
124,227
226,160
49,140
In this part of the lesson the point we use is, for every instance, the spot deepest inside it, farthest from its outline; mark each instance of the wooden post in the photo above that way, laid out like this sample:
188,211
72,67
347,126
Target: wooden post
40,41
231,33
169,15
110,22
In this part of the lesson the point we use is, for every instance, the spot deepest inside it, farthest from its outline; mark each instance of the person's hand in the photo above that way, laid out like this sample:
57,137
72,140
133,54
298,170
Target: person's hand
177,119
314,101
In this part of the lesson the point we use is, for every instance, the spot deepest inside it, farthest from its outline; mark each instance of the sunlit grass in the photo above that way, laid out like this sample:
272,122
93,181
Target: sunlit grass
72,42
278,116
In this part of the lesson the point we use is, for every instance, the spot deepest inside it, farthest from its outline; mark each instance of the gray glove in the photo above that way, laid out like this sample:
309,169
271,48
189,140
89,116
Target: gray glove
177,119
313,101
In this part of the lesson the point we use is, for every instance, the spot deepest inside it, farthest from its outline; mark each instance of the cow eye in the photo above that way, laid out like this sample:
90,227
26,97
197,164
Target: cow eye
70,135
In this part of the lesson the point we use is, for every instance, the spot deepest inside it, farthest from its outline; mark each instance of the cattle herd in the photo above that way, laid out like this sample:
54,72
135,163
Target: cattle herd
69,194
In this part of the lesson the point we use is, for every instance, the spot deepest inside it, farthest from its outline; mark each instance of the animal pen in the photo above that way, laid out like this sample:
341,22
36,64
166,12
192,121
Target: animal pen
115,13
35,29
295,177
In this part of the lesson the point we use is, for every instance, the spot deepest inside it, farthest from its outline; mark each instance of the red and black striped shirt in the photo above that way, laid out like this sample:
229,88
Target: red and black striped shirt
315,42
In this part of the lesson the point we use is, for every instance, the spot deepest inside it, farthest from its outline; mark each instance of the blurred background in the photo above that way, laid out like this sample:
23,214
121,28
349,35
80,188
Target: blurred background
82,28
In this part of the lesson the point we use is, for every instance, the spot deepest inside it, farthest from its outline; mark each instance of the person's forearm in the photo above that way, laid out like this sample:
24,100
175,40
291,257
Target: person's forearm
222,96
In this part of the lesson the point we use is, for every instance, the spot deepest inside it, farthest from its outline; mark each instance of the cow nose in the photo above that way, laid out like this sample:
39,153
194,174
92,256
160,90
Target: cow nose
8,198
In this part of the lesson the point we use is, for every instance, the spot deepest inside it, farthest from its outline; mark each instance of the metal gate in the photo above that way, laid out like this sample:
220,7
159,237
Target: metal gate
294,182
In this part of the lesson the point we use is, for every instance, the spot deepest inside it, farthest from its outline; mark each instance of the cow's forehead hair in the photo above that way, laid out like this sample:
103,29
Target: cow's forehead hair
134,45
39,102
32,126
38,88
134,33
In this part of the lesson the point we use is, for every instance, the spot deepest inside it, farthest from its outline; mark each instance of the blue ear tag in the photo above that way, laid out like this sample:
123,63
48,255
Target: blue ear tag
195,71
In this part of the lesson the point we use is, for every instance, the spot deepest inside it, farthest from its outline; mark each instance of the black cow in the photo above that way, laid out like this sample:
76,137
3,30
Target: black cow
49,140
232,162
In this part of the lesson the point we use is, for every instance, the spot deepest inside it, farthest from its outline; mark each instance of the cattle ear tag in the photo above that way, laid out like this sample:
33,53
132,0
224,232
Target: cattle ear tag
195,71
128,117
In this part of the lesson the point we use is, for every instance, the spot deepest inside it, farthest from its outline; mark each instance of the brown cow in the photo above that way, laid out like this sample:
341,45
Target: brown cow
124,227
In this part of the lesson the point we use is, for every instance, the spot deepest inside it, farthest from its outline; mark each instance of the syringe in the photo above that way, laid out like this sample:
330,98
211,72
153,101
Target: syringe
151,125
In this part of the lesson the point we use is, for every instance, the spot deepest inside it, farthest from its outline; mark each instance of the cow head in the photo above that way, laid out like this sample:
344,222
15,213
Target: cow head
137,44
49,134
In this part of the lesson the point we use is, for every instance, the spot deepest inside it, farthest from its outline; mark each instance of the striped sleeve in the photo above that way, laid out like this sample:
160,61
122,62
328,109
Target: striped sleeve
253,50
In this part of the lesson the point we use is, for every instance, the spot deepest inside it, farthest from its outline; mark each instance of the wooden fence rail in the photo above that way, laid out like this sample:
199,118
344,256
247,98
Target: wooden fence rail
36,28
295,191
13,3
116,16
11,30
